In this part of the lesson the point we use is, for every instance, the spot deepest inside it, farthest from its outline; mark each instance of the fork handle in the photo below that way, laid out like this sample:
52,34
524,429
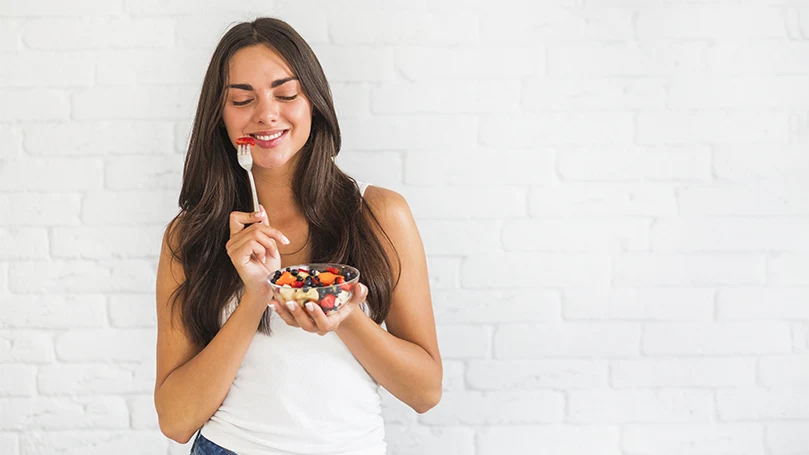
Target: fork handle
253,191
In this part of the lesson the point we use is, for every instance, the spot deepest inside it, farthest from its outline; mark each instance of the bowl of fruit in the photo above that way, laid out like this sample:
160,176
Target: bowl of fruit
328,285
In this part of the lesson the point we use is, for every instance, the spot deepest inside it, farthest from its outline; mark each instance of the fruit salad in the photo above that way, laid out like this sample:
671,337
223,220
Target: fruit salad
328,285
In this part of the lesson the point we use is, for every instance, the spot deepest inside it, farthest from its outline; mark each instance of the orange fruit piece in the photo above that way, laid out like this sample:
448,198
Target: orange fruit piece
327,278
286,278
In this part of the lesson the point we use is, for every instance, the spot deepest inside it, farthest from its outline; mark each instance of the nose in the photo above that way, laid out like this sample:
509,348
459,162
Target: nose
267,110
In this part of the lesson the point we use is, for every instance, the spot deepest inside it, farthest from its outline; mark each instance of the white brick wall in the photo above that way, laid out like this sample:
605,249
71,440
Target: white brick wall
612,195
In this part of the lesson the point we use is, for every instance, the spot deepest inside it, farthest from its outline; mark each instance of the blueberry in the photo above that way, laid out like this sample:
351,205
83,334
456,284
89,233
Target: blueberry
294,272
299,278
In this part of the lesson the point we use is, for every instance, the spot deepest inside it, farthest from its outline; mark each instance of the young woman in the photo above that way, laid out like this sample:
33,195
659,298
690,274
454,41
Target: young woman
258,376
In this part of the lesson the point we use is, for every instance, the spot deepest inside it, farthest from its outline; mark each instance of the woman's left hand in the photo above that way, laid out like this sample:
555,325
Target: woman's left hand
312,318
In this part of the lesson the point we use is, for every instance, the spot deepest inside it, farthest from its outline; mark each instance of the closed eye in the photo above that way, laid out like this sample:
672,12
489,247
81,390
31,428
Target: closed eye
241,103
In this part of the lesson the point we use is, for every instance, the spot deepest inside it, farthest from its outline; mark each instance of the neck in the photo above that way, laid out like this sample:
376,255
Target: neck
274,188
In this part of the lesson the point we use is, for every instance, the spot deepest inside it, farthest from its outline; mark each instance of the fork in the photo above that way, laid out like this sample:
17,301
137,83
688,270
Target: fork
245,156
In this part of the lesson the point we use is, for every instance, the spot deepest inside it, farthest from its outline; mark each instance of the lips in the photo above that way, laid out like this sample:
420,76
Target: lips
270,138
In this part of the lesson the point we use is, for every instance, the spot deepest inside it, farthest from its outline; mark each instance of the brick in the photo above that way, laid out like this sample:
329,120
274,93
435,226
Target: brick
132,310
95,379
351,99
94,138
694,439
529,130
453,379
136,103
34,105
37,70
94,442
10,35
53,311
633,163
747,162
571,236
592,93
788,269
568,269
467,167
690,127
17,380
787,198
102,345
466,203
51,174
762,304
144,173
457,97
674,269
448,237
639,304
130,207
397,132
496,408
405,28
11,141
63,413
725,92
612,200
757,57
179,7
151,67
558,23
787,438
10,441
444,272
728,234
26,346
629,58
496,306
758,404
99,33
356,63
383,169
142,412
683,372
784,371
717,338
23,243
533,341
39,209
412,440
416,63
106,242
676,22
182,135
55,8
82,276
562,374
567,439
205,30
640,406
464,341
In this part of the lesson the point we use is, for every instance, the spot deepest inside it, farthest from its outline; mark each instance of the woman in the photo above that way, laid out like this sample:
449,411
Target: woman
258,376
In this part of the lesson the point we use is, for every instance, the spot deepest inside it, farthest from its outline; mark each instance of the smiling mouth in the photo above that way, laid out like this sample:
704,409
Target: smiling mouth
270,137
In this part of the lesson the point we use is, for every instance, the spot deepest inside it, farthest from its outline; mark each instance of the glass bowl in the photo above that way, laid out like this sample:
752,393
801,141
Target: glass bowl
328,285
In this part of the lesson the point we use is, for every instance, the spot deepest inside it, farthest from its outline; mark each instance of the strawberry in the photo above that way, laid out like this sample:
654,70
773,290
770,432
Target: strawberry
297,284
327,302
339,280
333,270
345,287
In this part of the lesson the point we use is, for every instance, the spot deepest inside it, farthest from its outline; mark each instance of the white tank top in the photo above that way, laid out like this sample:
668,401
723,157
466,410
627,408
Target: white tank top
299,393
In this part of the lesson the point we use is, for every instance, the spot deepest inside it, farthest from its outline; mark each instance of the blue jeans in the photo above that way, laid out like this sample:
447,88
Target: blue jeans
203,446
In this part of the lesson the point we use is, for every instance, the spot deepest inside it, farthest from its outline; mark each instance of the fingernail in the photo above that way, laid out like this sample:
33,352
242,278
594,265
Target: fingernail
291,305
272,307
264,259
257,215
310,306
284,239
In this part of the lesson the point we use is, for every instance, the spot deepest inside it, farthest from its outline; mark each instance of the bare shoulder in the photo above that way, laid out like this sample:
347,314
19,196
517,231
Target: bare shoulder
390,207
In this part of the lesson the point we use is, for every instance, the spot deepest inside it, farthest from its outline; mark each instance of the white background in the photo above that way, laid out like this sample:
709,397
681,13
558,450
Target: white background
613,197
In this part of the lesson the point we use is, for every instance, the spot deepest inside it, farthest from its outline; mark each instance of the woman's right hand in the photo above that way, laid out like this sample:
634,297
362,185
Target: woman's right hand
253,250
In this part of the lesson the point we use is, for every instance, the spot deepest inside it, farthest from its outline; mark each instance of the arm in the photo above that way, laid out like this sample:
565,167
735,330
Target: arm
405,359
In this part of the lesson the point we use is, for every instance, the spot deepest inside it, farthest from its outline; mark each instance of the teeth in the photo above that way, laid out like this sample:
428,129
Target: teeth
269,138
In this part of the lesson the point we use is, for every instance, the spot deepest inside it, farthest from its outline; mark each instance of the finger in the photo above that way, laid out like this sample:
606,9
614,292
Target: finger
272,232
254,235
247,251
322,322
360,294
283,312
238,220
301,317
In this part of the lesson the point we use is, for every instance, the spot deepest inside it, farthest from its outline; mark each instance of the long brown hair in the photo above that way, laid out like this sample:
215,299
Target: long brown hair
341,224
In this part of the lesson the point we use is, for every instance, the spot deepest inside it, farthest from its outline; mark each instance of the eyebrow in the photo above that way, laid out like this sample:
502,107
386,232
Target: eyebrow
274,84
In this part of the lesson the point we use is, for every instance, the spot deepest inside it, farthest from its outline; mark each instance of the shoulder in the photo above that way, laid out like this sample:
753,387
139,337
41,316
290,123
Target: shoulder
389,207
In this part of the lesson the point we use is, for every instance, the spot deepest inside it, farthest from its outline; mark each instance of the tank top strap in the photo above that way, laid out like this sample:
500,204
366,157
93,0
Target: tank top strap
362,186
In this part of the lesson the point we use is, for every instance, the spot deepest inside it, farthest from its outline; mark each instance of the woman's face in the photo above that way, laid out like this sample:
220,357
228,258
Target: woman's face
265,100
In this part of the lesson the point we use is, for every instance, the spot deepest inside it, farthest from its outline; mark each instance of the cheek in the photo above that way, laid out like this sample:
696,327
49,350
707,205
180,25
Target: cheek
300,115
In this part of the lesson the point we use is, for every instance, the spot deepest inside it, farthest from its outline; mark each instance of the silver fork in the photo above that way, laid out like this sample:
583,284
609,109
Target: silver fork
245,157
